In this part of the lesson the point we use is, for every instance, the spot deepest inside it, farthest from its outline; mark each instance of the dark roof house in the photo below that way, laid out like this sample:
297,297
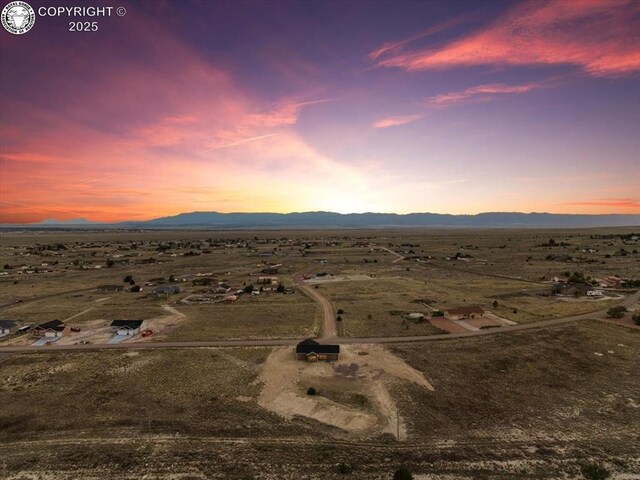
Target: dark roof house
313,351
54,328
130,324
8,326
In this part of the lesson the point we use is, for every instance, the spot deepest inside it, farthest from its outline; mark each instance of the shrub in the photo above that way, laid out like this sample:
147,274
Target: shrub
338,318
311,391
495,304
248,289
636,319
593,471
280,288
617,312
340,311
343,468
403,473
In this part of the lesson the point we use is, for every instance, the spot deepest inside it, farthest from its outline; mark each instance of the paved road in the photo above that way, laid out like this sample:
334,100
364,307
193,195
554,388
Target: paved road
328,328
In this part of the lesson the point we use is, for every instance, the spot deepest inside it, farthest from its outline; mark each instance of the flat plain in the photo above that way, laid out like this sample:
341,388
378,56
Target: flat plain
515,404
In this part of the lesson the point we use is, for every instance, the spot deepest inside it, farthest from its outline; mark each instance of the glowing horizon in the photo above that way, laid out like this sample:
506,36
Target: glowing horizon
428,107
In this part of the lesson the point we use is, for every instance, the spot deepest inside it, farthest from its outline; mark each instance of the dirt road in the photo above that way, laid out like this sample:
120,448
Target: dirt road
328,331
328,328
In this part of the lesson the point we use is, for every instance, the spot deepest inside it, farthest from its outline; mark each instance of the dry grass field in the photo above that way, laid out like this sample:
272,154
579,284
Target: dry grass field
524,405
529,404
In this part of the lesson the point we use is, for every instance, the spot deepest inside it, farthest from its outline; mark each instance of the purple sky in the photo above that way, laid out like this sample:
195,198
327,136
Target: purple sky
450,107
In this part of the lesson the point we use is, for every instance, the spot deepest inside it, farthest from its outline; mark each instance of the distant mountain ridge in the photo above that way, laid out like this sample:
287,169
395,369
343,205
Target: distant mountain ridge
216,220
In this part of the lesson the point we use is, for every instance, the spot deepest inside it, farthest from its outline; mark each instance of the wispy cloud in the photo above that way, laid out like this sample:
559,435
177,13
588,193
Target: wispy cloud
601,37
245,140
483,92
608,202
396,121
388,47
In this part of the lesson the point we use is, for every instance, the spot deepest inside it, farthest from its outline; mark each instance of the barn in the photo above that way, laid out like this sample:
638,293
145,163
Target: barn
311,351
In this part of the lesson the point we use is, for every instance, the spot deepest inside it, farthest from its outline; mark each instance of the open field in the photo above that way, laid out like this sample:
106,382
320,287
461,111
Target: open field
512,404
531,404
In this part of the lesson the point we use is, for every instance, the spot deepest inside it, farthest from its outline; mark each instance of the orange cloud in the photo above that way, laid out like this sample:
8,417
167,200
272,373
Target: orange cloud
609,202
599,36
396,121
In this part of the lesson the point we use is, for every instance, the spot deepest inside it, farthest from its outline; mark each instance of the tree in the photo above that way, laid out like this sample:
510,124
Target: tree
495,304
403,473
344,468
248,288
135,288
280,288
311,391
636,319
593,471
338,318
340,311
616,312
128,279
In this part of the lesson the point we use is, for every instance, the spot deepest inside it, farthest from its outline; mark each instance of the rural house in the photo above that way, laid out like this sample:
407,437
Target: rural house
52,329
8,326
312,351
126,327
464,313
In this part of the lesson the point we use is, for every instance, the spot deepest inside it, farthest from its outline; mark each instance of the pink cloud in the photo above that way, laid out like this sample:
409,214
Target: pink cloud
396,121
601,37
482,92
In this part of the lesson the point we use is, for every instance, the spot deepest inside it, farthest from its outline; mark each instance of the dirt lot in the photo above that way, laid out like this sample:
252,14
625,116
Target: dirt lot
352,394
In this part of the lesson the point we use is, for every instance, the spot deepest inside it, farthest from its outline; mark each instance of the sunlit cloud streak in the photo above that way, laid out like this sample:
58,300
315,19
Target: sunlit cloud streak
397,121
599,36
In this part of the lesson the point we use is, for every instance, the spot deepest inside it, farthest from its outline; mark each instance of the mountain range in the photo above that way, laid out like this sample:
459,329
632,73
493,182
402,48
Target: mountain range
216,220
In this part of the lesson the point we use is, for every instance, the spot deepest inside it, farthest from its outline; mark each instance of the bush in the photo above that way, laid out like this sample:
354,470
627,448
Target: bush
593,471
495,304
311,391
280,288
636,319
338,318
340,311
617,312
343,468
403,473
248,289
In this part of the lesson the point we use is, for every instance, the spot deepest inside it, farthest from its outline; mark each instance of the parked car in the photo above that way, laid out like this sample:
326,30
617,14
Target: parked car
75,329
147,332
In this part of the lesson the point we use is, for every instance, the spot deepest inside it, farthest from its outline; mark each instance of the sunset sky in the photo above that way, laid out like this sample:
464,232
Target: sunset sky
233,106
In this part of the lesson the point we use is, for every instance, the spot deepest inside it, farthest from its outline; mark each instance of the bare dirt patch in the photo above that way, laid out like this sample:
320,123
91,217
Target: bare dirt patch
352,394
